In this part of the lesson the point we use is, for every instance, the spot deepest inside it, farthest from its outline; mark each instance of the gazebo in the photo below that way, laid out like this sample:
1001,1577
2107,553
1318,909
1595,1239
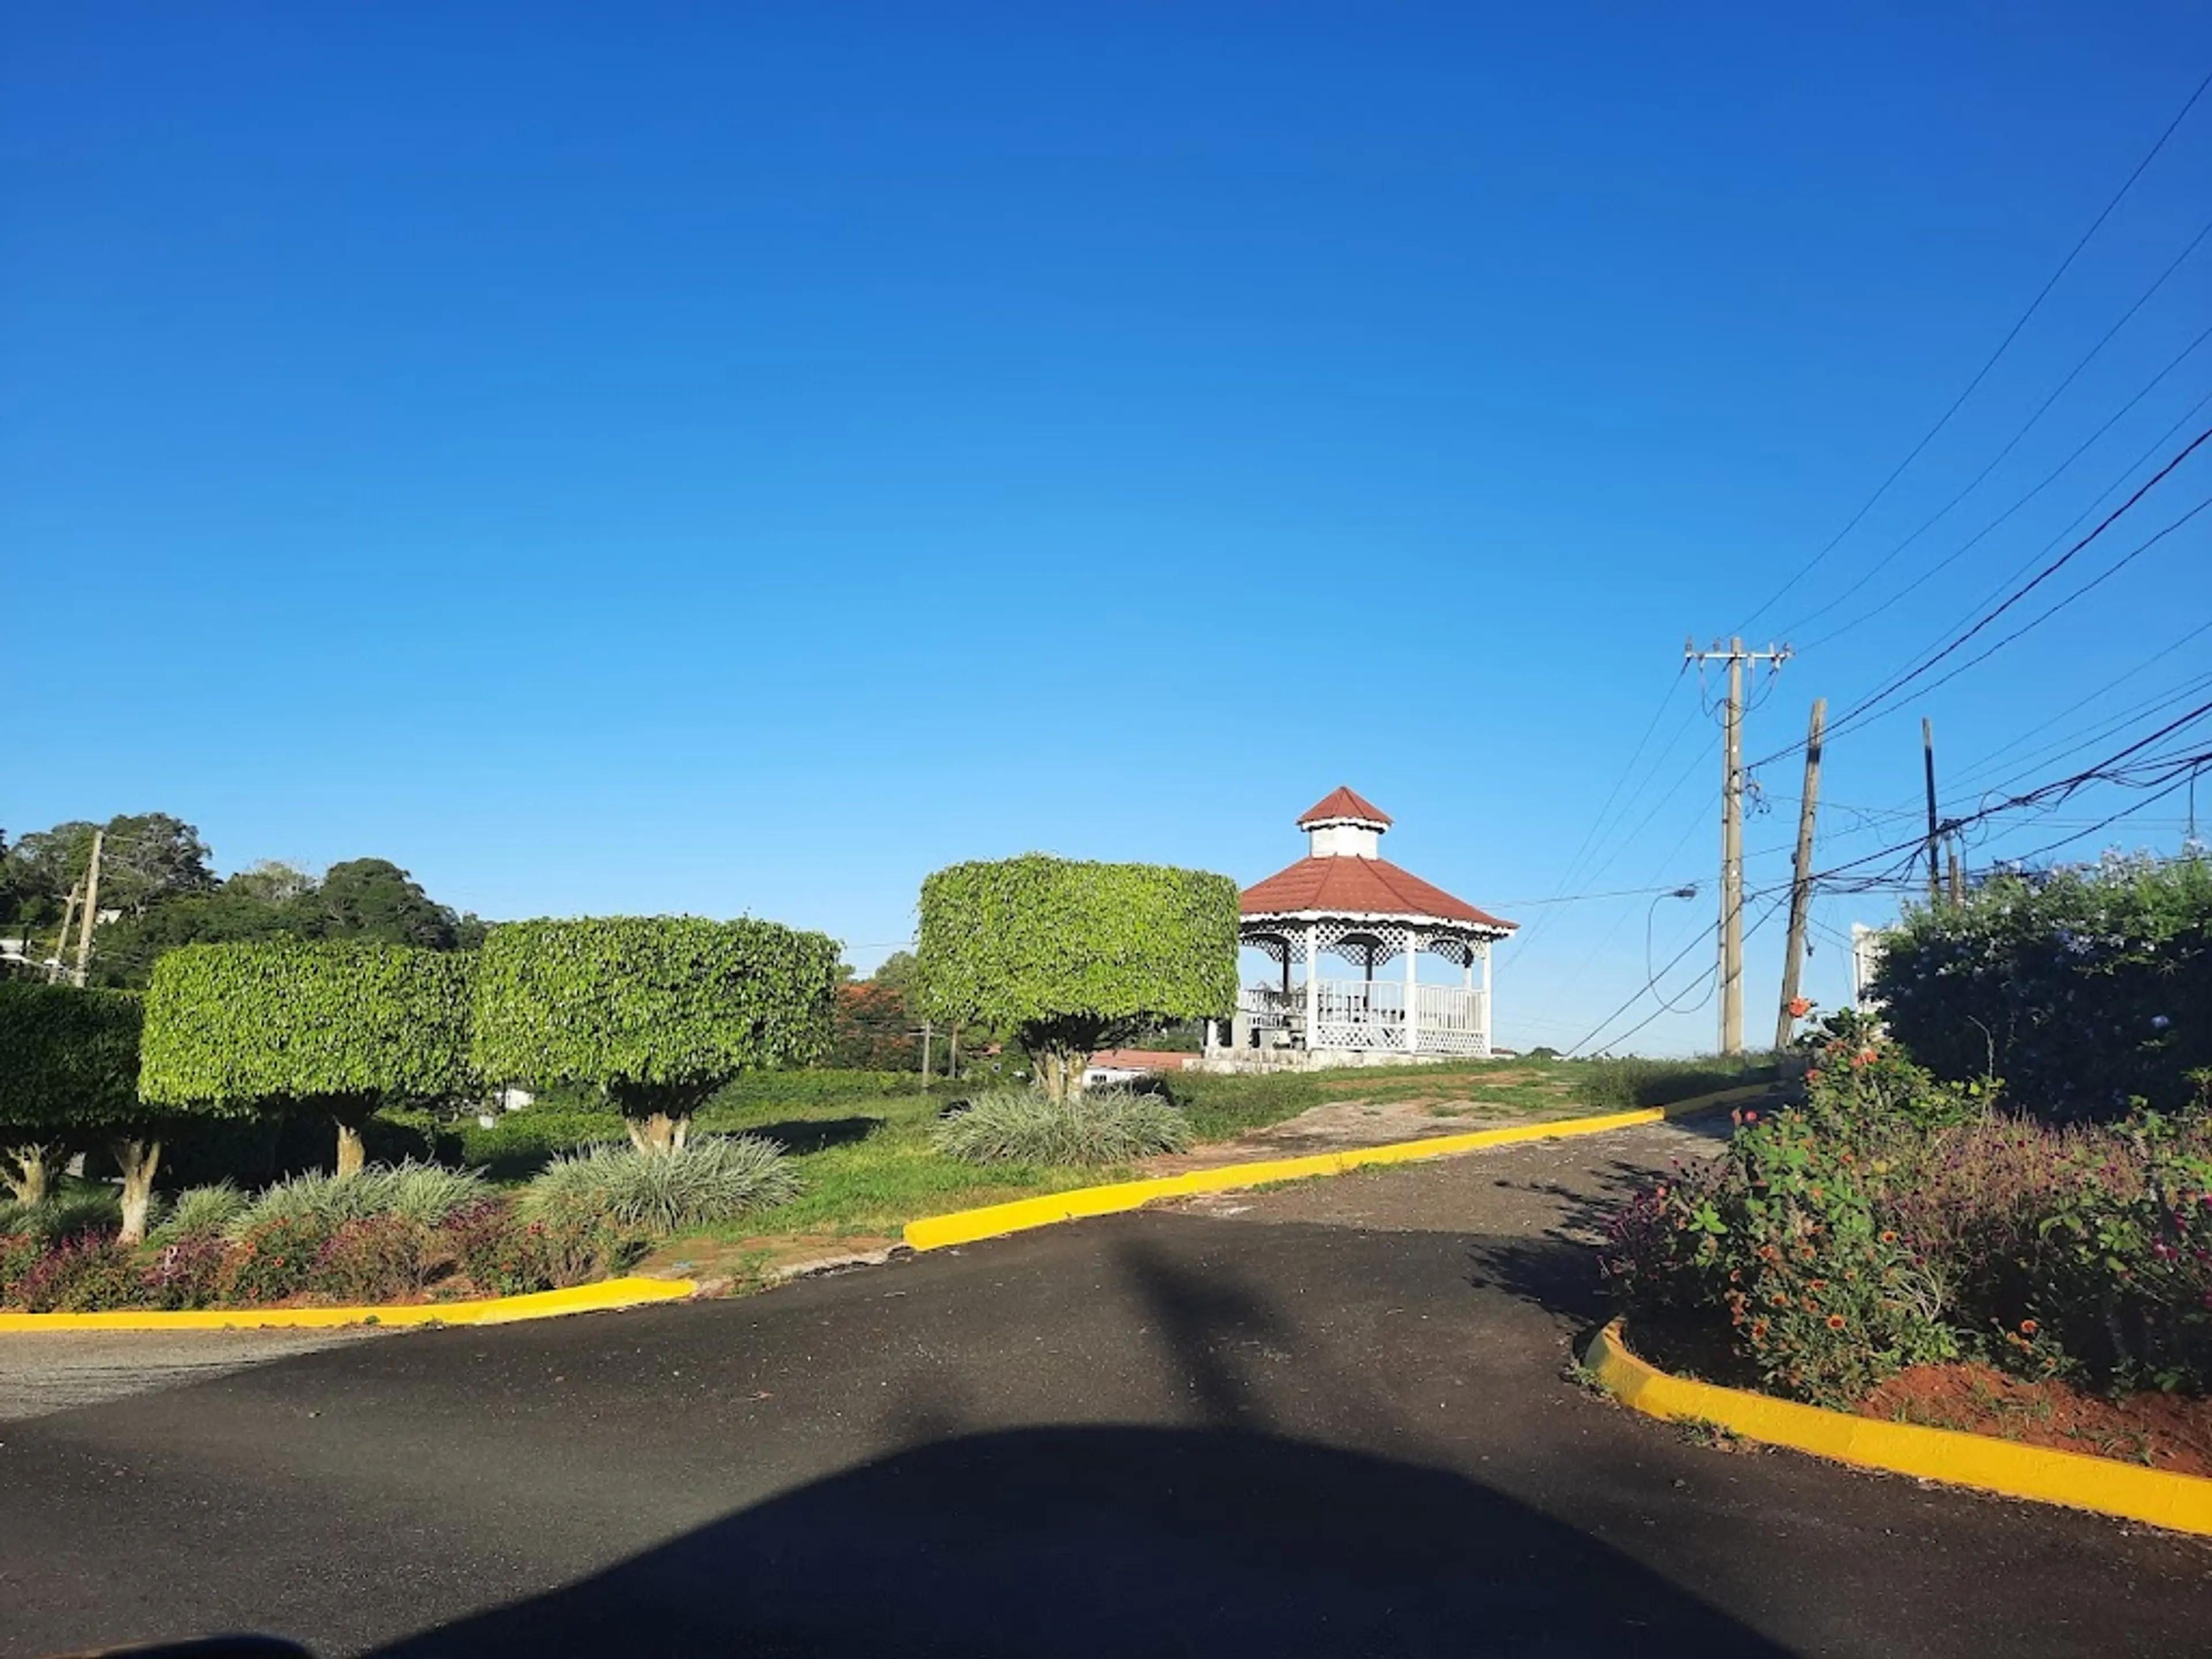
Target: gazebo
1345,900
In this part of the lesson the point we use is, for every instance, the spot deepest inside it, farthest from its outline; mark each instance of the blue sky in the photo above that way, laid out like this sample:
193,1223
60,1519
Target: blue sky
736,459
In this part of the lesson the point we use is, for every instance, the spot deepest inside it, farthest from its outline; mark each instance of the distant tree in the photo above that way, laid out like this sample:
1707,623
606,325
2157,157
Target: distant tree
272,883
148,857
338,1028
874,1030
375,899
14,885
127,949
658,1012
900,972
43,866
1073,956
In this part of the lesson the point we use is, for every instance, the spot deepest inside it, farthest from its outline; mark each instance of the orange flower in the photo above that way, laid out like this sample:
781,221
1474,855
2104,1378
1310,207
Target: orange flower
2027,1328
1889,1235
1799,1006
1758,1329
1812,1075
1835,1322
1816,1284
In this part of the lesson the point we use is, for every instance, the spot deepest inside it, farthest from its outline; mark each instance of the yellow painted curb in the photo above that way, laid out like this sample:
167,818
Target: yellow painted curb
965,1226
500,1311
2180,1503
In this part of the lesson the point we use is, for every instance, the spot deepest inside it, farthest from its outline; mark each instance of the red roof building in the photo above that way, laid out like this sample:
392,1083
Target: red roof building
1345,900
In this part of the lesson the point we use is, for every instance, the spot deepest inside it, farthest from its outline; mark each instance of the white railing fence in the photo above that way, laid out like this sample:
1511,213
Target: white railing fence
1367,1014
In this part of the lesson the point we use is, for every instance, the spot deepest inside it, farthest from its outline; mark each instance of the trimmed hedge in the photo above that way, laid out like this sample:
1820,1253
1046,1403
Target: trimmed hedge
660,1012
280,1020
2083,990
71,1061
1076,956
69,1075
342,1027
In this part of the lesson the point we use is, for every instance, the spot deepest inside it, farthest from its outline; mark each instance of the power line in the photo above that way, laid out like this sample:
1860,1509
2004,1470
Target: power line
2026,427
1860,618
1982,374
2106,770
2043,616
1620,778
1861,711
1767,916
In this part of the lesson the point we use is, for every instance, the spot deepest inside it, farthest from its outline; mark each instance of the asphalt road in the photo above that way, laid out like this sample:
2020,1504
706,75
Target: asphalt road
1328,1420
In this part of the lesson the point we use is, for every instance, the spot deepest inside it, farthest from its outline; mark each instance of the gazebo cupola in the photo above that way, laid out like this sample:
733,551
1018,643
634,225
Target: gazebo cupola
1345,900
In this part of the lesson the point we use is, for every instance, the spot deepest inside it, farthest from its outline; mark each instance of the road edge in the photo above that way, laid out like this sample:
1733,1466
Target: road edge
2177,1502
938,1232
605,1295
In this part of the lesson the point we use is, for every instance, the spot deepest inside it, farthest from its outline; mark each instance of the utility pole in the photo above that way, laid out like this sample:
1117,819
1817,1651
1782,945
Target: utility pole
1801,881
1958,876
925,1054
1928,764
61,938
1731,921
91,909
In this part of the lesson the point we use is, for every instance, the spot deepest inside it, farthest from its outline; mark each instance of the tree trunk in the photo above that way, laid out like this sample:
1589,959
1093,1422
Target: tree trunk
28,1171
352,1155
1061,1071
137,1159
660,1131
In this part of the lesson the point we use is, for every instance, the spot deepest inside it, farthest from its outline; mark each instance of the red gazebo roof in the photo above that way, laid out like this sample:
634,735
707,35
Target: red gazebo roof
1342,802
1359,887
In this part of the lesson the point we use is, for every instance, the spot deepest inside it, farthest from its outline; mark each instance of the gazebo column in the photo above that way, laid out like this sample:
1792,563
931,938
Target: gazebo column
1412,993
1312,984
1485,948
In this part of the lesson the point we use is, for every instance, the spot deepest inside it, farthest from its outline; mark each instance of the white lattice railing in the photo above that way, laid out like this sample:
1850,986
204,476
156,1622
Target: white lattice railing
1371,1014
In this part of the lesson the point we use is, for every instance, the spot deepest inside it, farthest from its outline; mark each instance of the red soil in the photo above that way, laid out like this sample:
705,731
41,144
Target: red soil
2169,1432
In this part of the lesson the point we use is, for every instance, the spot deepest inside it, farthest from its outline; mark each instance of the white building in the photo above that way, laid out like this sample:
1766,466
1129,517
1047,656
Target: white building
1344,899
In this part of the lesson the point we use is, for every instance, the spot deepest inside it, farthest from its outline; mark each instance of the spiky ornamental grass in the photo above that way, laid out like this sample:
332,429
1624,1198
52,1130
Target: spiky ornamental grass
713,1179
199,1213
64,1215
1098,1126
424,1193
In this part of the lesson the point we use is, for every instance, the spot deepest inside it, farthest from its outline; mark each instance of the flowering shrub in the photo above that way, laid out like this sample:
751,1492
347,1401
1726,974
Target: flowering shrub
417,1228
186,1272
84,1274
505,1255
274,1259
2121,1275
381,1258
19,1254
1783,1234
1893,1220
2084,990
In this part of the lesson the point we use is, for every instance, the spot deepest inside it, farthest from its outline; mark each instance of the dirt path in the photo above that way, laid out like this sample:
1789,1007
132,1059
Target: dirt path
1342,1124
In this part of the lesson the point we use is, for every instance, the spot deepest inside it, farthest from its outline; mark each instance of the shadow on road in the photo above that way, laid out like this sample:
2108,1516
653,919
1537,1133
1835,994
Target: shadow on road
1116,1541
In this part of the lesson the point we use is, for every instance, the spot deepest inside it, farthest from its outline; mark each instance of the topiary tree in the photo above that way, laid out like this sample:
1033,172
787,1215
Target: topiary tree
1074,957
338,1028
69,1077
660,1012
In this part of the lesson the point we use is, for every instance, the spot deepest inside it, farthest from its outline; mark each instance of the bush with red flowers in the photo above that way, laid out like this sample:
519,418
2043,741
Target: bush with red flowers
1891,1220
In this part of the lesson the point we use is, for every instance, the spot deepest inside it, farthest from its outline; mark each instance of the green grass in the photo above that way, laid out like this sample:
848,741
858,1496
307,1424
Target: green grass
868,1163
1632,1081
